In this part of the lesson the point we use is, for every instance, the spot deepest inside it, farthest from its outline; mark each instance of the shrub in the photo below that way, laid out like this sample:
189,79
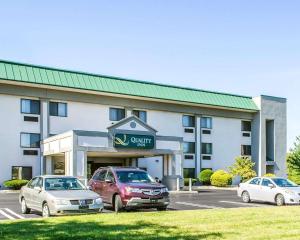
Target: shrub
243,167
204,176
186,181
293,162
221,178
269,175
15,184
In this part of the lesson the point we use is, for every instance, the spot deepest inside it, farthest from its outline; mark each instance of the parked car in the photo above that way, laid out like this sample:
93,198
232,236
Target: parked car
274,190
129,188
58,195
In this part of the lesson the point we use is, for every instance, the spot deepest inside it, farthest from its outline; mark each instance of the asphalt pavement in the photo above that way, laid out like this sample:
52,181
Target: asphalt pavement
204,199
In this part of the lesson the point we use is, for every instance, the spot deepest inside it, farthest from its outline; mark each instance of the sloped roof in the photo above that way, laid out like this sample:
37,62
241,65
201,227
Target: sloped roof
34,74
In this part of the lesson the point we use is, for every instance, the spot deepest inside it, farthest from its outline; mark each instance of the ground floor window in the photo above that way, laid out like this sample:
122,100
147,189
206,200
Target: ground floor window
20,172
270,169
189,172
246,150
59,167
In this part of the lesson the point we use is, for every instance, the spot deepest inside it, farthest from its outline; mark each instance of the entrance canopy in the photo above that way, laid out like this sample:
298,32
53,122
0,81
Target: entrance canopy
130,139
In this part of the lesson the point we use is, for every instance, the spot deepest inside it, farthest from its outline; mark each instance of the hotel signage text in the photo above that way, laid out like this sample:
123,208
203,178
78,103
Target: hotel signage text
133,141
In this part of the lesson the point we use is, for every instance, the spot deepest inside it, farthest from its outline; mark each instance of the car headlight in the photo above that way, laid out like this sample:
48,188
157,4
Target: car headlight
133,190
98,201
61,202
164,190
289,192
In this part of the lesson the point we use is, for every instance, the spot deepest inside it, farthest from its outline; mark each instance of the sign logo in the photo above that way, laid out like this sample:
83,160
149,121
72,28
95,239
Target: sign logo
121,140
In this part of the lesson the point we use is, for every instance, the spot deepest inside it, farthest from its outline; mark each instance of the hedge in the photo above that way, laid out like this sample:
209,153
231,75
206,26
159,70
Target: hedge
15,184
204,176
221,178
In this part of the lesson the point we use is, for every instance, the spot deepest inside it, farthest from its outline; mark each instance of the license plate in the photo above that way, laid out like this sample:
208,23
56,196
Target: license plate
153,200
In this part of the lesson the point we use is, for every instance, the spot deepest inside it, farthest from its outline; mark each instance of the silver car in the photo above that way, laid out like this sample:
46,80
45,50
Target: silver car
274,190
58,195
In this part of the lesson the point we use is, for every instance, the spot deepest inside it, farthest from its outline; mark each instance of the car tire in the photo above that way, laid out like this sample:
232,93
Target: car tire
279,200
118,205
161,209
45,211
24,208
246,197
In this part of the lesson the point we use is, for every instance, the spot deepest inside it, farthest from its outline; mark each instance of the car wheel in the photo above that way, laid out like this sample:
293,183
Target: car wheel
161,208
118,205
45,211
279,200
246,197
24,208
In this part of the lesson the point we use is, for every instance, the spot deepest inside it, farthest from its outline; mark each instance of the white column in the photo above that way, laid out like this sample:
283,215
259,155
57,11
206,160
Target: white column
49,165
81,163
198,144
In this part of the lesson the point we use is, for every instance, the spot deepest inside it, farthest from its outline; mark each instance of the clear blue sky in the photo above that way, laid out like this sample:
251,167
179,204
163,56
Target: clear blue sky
245,47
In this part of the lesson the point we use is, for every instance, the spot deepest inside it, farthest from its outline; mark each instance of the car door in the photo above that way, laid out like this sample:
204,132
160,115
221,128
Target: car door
253,188
109,187
29,198
99,181
36,194
267,193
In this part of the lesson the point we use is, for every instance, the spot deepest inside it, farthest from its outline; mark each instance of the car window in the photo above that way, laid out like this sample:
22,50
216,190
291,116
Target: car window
266,182
33,182
101,176
64,183
255,181
110,176
96,175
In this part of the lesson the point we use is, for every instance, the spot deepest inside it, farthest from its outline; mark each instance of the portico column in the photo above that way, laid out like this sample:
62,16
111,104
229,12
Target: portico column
48,166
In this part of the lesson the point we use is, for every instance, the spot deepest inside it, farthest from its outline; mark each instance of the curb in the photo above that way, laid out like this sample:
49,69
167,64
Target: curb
182,192
215,188
9,191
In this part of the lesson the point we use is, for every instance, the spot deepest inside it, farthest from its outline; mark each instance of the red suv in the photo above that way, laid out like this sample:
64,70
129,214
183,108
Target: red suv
129,188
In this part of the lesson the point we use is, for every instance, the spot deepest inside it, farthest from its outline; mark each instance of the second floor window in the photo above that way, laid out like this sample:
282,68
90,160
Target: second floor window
246,126
206,122
246,150
140,114
206,148
188,121
30,140
116,114
58,109
30,106
188,147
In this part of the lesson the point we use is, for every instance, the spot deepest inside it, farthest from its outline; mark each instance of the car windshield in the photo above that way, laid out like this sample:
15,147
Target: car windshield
134,177
62,184
282,182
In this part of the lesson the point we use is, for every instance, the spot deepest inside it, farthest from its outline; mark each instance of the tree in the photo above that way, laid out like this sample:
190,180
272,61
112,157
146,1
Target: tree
293,162
243,167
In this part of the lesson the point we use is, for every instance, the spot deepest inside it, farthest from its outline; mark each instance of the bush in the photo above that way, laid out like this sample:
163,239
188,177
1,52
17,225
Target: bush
269,175
221,178
204,176
186,181
243,167
293,162
15,184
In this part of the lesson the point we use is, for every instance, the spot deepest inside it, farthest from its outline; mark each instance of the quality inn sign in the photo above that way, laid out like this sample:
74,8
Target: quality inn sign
133,141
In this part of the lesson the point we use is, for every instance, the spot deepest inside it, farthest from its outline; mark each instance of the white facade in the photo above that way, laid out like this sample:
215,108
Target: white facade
82,138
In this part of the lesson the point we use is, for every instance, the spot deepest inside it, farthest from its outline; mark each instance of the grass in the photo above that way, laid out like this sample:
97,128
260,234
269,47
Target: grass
239,223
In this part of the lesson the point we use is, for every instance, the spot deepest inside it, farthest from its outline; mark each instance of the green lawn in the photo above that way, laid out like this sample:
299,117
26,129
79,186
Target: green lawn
246,223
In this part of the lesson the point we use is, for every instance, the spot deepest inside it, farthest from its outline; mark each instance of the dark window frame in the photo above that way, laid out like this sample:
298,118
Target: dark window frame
31,100
193,148
30,167
38,142
191,174
191,119
137,113
245,127
202,149
246,150
202,121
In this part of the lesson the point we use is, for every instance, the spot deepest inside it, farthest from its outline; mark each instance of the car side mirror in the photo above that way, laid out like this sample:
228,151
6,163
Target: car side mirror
38,188
271,185
89,188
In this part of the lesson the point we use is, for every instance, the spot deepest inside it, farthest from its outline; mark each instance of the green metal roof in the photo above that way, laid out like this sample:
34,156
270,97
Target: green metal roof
34,74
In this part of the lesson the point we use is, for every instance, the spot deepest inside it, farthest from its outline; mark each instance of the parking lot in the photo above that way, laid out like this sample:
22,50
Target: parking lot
205,199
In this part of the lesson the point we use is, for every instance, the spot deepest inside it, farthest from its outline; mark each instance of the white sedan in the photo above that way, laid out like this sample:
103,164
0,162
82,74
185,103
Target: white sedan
274,190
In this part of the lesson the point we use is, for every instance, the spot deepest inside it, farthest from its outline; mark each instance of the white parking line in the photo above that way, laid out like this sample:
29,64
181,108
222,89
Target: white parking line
5,214
242,203
13,213
196,205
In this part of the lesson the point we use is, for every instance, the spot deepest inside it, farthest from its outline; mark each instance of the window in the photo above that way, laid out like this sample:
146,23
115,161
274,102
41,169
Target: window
246,126
101,176
116,114
21,173
140,114
188,121
31,119
270,169
266,182
206,122
110,176
205,131
30,152
58,109
30,140
255,181
189,172
189,157
188,147
30,106
33,182
206,157
206,148
246,150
